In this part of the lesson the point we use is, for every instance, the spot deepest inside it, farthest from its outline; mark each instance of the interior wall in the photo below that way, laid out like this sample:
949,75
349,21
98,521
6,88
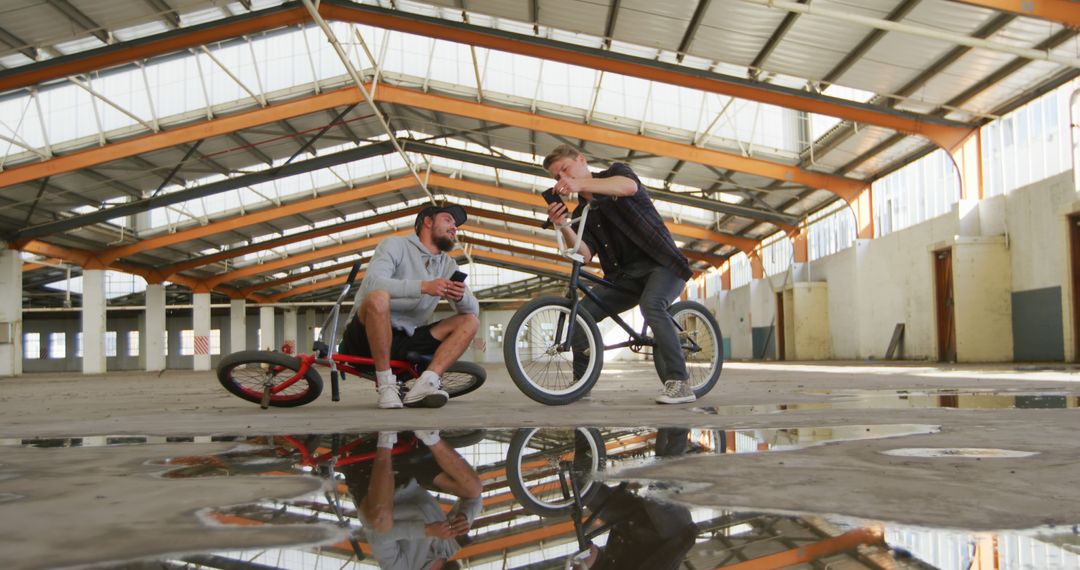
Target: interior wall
878,283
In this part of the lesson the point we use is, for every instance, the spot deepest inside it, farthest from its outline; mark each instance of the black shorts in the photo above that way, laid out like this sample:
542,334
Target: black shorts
355,341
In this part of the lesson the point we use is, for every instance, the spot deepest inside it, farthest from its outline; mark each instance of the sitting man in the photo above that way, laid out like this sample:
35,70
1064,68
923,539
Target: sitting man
636,252
404,523
404,282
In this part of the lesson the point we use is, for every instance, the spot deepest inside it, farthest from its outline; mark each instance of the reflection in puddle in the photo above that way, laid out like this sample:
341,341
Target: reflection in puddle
908,399
539,497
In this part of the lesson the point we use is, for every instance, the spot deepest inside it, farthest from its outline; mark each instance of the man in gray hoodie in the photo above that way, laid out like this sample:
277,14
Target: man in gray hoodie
404,282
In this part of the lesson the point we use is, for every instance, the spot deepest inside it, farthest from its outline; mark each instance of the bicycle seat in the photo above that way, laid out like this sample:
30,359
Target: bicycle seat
418,358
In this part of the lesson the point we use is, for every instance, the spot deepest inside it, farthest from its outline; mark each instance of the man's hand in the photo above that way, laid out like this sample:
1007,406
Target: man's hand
448,529
568,186
557,213
443,288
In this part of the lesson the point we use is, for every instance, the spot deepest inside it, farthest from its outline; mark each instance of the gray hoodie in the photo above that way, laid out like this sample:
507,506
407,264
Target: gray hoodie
398,266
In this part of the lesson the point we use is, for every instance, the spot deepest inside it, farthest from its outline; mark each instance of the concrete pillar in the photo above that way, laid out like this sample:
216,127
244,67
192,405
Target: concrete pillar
289,334
200,318
307,331
93,321
11,348
237,325
266,325
154,334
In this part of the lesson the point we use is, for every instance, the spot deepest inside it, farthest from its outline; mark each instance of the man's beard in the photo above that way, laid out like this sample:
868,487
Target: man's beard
444,243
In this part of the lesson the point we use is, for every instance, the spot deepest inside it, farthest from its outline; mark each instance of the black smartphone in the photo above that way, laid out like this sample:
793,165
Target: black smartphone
550,197
459,276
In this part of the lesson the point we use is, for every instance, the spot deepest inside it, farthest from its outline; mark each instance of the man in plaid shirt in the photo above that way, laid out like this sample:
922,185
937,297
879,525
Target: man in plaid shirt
636,252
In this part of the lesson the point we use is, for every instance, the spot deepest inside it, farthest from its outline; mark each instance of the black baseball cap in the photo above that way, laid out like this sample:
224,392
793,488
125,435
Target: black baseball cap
455,211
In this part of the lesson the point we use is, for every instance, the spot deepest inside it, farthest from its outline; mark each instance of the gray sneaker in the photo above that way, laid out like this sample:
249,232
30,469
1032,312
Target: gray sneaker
676,392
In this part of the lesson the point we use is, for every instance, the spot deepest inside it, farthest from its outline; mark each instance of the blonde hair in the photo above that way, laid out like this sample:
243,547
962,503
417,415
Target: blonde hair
560,152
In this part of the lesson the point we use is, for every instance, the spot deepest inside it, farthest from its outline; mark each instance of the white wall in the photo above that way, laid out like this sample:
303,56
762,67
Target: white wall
878,283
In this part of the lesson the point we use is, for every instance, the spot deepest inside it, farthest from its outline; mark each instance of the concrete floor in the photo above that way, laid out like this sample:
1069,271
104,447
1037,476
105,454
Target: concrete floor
54,497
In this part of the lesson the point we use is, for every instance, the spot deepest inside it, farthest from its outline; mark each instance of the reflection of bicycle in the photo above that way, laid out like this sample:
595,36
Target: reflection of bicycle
547,334
277,379
544,468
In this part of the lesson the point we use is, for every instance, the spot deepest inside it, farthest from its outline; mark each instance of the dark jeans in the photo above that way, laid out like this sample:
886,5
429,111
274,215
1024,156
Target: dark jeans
653,288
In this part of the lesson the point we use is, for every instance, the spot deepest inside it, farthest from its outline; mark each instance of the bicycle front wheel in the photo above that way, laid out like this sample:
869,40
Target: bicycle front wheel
702,344
543,464
249,373
539,356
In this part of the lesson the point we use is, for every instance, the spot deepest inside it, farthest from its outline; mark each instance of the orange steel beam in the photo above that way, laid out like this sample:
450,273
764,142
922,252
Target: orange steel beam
153,45
945,136
180,135
806,554
301,276
1061,11
529,537
270,266
846,188
262,216
88,260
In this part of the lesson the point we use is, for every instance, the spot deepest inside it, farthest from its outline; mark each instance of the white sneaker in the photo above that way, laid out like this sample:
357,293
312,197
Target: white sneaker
676,392
389,398
426,394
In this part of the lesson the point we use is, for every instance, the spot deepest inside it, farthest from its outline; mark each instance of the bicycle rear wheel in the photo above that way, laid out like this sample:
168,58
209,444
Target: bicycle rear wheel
459,379
540,368
248,373
702,344
537,456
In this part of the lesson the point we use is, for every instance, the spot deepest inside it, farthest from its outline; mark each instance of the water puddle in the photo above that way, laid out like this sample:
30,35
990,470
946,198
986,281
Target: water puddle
525,498
907,400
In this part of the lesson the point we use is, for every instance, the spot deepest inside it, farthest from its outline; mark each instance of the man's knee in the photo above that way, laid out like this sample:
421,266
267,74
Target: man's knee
375,302
468,321
654,307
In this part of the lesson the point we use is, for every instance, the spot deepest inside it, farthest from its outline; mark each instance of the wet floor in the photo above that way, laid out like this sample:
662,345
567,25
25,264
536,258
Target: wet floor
527,498
907,400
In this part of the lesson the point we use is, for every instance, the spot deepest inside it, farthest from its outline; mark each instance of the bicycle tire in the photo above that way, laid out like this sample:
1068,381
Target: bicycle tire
462,378
705,365
533,463
544,374
246,373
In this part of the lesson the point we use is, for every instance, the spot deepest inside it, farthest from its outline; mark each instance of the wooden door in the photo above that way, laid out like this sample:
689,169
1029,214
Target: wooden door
1074,254
780,326
946,315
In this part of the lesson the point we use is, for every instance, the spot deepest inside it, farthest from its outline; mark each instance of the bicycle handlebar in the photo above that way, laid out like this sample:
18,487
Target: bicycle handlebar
352,273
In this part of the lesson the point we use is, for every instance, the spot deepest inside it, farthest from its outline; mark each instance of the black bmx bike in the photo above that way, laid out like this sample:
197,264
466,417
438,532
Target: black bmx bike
547,334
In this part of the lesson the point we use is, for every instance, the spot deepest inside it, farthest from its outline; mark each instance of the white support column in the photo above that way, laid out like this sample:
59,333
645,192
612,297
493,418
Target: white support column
154,334
289,335
307,332
266,325
237,325
201,322
11,349
93,321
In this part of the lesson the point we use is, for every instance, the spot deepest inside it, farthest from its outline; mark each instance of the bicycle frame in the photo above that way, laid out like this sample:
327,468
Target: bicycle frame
637,340
324,354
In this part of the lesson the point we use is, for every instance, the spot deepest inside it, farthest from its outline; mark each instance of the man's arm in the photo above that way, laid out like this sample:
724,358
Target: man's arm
380,272
610,186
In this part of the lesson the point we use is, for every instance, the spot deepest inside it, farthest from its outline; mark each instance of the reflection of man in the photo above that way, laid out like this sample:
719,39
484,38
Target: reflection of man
404,282
645,534
403,521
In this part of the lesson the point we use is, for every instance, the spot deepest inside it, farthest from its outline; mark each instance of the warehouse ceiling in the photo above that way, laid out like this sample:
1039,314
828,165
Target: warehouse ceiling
225,146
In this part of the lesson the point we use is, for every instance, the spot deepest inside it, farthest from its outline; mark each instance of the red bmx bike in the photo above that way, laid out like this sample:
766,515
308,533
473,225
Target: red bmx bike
272,378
